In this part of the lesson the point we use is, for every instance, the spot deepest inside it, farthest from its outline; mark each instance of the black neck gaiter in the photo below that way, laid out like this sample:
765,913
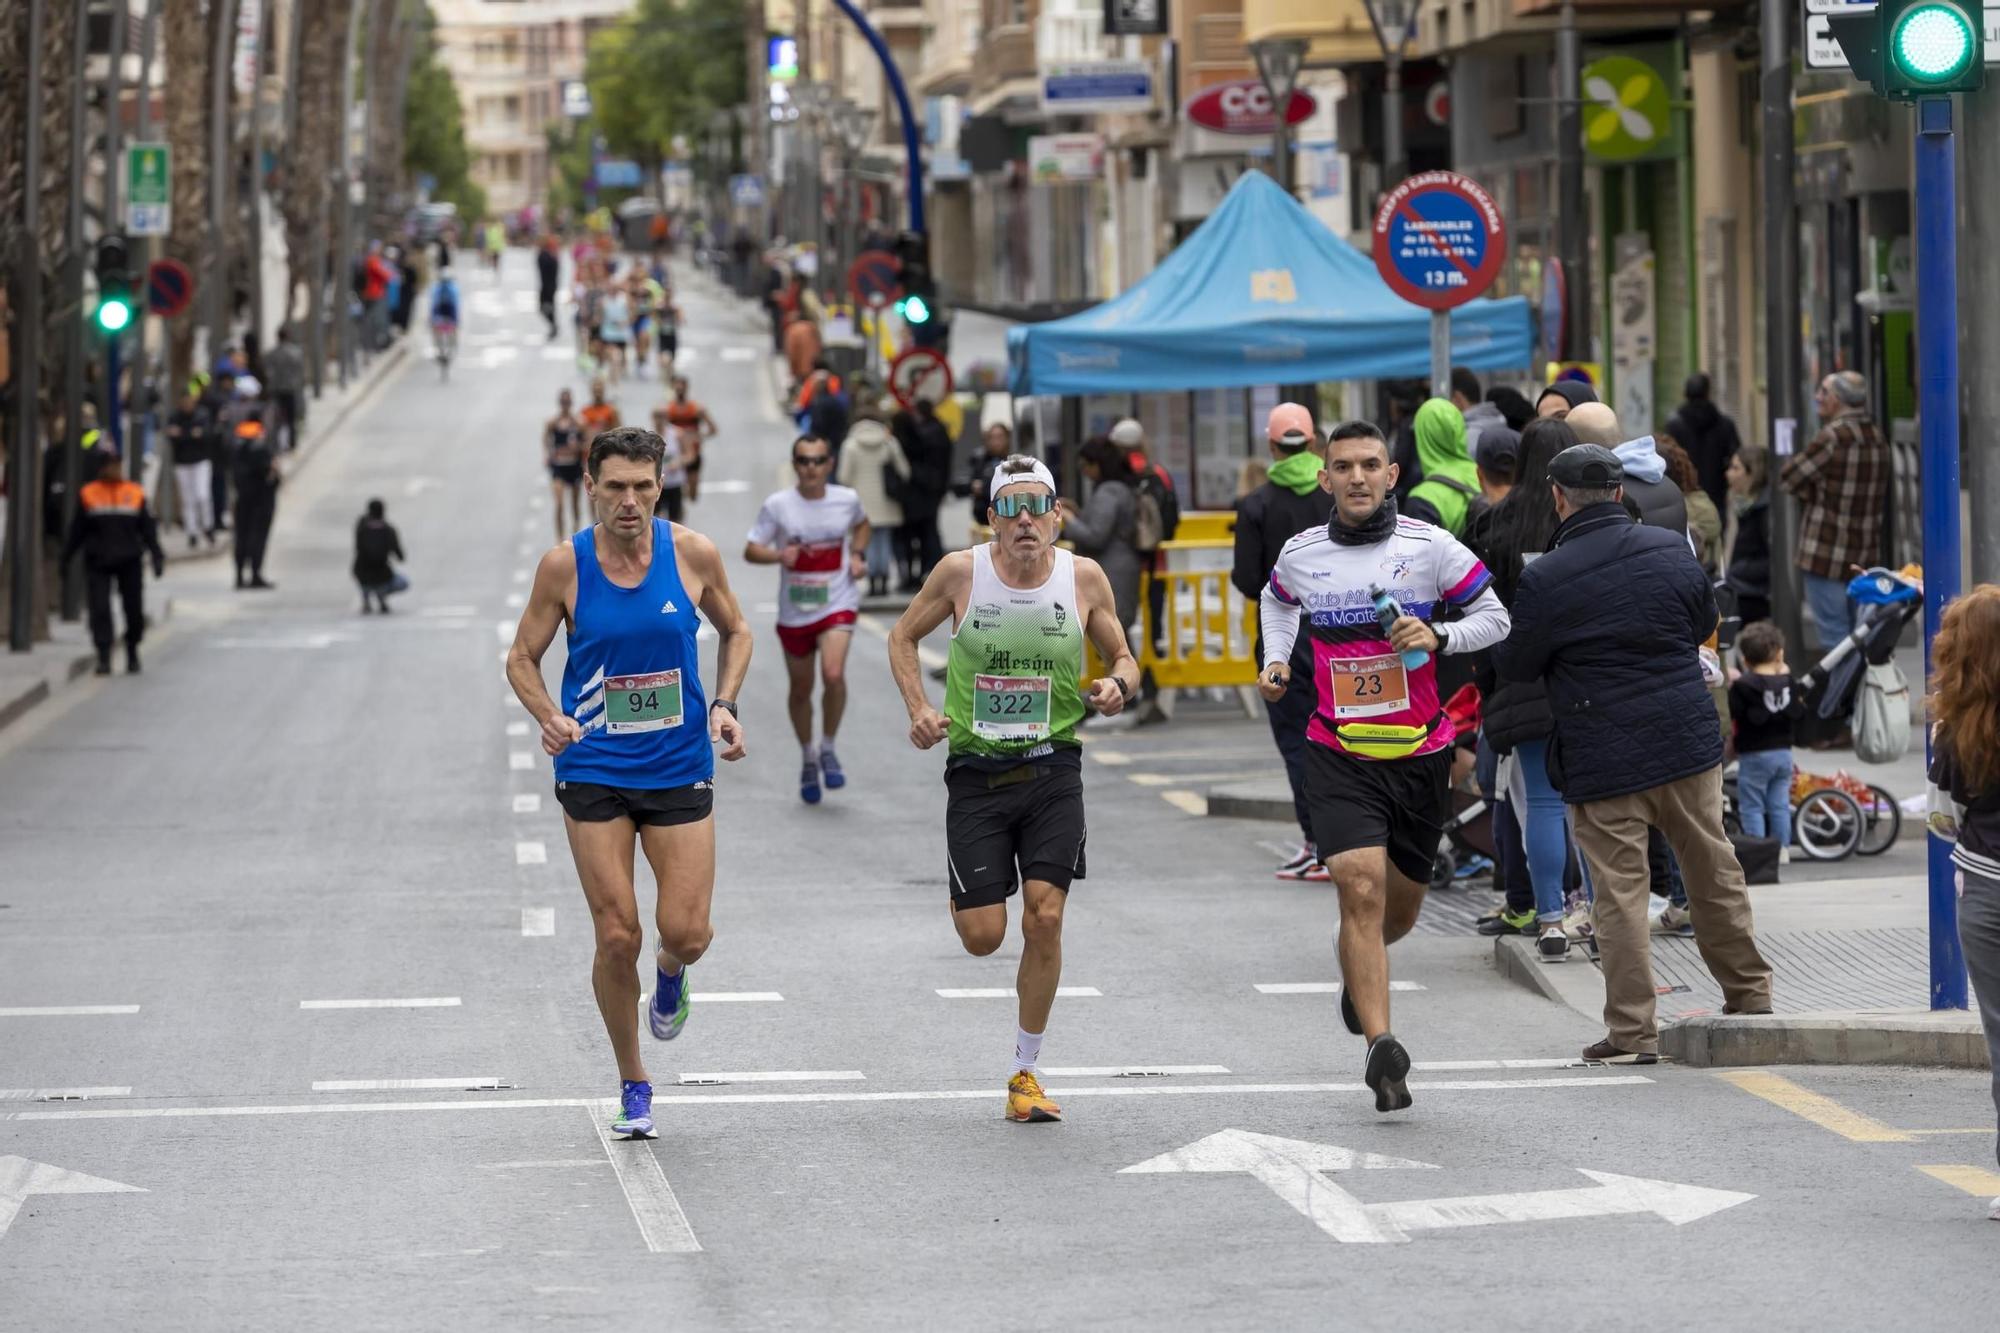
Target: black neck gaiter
1377,527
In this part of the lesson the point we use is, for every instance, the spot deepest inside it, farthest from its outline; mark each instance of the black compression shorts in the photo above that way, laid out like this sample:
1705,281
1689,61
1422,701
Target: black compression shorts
1397,804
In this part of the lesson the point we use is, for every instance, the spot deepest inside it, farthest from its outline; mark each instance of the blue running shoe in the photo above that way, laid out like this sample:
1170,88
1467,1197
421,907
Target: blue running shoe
635,1121
809,783
830,767
668,1013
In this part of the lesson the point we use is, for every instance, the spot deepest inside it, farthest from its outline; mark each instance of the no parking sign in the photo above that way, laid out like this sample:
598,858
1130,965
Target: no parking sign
1439,239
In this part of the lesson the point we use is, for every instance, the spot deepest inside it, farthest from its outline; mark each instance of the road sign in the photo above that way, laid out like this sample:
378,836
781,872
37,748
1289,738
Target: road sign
920,373
149,193
1439,239
874,279
169,287
1295,1171
746,191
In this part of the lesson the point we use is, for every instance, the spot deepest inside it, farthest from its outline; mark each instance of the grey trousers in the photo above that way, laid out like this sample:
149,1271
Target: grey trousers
1979,935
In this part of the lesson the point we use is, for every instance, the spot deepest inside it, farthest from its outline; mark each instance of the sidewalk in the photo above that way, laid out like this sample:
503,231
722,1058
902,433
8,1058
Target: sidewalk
32,678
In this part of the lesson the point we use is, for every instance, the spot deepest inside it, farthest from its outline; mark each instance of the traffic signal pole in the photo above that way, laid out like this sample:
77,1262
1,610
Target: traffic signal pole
1937,416
912,141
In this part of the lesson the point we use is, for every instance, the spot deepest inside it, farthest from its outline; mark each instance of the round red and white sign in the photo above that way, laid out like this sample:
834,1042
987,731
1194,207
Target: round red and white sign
1244,107
920,373
1439,239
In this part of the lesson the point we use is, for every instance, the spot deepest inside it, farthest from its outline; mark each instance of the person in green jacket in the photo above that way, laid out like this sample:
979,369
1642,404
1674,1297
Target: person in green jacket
1451,482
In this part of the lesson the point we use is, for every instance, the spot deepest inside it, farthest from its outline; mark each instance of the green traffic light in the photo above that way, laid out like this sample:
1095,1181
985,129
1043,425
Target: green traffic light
113,314
1933,43
916,311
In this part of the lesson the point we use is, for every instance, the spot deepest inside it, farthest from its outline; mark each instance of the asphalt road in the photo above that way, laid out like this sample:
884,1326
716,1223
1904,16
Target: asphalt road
291,952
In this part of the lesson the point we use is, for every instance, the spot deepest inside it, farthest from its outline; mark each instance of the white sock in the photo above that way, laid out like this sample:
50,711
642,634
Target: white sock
1027,1050
826,745
809,752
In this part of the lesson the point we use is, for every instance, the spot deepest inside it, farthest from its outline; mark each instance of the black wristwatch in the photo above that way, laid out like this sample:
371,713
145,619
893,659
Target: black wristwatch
1124,690
730,704
1438,632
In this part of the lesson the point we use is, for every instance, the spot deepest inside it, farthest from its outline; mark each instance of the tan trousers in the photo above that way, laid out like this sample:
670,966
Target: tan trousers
1612,837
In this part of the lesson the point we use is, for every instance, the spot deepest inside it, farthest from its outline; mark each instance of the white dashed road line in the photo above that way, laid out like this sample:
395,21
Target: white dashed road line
60,1094
654,1207
470,1083
518,728
1320,987
67,1010
421,1002
1126,1071
778,1076
531,854
1007,993
520,760
538,922
527,803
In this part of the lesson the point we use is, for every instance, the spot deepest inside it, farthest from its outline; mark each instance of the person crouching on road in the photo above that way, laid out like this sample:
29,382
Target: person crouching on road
1965,797
115,531
1613,616
375,542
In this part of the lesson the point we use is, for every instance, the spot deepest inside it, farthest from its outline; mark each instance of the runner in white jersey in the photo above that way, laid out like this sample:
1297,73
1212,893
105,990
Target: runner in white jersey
1378,758
816,533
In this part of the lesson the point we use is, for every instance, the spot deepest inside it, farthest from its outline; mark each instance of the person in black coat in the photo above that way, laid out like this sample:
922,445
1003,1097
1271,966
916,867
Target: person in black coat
1711,439
256,478
1612,619
927,444
1290,501
375,543
1748,572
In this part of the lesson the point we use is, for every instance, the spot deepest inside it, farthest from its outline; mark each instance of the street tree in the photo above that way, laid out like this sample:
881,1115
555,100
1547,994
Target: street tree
434,127
660,72
323,56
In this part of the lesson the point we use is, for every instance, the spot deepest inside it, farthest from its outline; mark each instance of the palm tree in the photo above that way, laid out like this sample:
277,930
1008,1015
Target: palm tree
190,40
387,71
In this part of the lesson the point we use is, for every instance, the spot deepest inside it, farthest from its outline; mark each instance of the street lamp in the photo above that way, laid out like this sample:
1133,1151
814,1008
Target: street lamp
853,123
1393,20
1279,60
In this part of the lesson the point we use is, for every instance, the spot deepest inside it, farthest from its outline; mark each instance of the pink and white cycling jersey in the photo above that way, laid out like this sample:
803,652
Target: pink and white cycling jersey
1360,678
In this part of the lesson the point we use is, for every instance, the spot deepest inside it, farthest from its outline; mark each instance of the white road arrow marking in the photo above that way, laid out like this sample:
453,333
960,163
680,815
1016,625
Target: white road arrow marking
1293,1170
20,1177
1612,1195
1290,1169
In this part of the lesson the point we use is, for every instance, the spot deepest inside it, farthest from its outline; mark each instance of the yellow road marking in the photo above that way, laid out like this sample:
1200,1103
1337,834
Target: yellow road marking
1972,1179
1189,802
1825,1112
1987,1129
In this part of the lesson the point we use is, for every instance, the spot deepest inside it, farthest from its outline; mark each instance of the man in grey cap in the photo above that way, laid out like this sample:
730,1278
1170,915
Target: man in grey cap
1613,617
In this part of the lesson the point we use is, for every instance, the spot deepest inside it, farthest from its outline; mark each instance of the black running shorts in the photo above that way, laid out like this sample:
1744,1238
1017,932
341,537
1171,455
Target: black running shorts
1397,804
1030,818
593,803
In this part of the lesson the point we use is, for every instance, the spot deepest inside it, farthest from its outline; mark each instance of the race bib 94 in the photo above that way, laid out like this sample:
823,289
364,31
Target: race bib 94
642,703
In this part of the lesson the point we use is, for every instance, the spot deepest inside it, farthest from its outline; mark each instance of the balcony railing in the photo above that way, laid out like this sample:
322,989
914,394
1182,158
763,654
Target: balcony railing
1006,54
1076,36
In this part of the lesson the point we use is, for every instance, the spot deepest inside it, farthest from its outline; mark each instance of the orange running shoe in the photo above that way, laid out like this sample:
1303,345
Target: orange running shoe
1027,1103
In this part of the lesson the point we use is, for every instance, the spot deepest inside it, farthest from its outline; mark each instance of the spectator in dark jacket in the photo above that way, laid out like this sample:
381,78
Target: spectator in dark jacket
375,542
1612,618
1517,720
1290,501
1709,437
927,444
115,531
1563,397
1514,407
1749,567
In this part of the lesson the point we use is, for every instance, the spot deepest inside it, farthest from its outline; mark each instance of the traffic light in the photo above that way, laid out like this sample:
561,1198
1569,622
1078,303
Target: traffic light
1908,49
114,284
919,300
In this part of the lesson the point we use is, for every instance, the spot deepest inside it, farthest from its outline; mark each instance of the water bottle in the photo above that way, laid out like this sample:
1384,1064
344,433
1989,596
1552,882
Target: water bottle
1388,613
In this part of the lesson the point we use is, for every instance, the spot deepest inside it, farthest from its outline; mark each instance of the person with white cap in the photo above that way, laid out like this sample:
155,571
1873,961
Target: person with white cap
1014,692
1290,501
1159,515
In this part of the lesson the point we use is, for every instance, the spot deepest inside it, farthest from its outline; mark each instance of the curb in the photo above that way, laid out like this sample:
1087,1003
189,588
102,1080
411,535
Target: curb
57,674
1241,802
1948,1039
1575,981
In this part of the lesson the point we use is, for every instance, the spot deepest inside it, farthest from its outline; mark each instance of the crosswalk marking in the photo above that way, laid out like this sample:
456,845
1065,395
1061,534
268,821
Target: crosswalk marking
420,1002
60,1094
661,1222
777,1076
467,1083
67,1010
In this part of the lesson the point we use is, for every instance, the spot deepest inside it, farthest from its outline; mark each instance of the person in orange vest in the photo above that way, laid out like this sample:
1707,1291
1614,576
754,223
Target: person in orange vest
115,531
257,481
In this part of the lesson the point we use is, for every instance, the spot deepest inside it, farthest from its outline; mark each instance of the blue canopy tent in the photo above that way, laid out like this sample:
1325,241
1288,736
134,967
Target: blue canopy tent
1261,293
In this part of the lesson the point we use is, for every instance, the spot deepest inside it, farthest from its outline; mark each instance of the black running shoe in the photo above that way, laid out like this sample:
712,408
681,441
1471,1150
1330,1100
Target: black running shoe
1388,1065
1347,1014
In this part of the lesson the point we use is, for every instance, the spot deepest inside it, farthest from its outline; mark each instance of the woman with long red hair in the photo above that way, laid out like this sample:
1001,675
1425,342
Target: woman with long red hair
1965,776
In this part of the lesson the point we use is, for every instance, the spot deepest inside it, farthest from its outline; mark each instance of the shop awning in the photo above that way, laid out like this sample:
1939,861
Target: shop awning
1261,293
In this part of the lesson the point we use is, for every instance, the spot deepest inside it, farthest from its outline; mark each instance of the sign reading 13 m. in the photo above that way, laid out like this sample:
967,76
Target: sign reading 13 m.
1439,239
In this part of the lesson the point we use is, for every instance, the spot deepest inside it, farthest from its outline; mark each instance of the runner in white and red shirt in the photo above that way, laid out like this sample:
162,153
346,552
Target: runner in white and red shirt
816,533
1378,752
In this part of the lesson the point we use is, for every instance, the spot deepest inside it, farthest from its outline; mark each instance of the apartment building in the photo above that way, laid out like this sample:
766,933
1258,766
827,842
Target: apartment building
510,60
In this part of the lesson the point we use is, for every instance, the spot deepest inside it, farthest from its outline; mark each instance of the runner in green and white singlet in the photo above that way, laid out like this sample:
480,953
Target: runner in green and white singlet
1014,693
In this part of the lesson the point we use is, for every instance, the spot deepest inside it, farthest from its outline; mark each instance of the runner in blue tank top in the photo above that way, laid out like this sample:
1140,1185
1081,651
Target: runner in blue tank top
633,732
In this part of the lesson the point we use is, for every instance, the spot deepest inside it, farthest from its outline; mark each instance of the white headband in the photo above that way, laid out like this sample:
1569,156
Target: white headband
1038,473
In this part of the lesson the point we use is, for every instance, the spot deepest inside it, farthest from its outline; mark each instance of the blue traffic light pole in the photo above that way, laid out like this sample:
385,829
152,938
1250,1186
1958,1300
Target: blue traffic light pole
1937,413
912,142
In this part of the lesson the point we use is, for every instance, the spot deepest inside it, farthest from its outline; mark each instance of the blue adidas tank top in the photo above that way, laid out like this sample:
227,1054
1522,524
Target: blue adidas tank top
633,679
